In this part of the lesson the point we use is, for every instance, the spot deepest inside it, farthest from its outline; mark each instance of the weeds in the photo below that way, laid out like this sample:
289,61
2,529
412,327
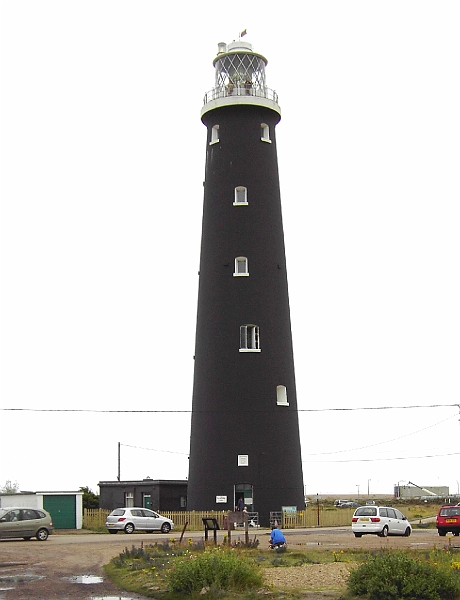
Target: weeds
400,576
213,569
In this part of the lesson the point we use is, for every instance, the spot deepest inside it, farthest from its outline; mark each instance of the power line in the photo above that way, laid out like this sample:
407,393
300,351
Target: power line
385,442
381,459
150,411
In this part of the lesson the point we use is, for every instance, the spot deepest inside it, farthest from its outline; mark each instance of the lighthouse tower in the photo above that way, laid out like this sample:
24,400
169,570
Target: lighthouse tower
244,431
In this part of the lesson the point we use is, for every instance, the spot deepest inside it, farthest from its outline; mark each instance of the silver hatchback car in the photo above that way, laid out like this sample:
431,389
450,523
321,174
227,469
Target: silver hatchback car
17,522
130,519
380,520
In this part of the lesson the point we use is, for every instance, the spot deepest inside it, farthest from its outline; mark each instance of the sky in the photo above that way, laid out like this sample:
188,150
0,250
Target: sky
102,167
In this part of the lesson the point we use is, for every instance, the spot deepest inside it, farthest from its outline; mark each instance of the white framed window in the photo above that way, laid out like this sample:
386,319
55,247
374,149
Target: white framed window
129,499
214,134
265,133
241,196
249,338
243,460
241,267
281,395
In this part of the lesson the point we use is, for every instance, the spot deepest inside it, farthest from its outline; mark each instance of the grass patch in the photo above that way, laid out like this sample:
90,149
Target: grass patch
404,575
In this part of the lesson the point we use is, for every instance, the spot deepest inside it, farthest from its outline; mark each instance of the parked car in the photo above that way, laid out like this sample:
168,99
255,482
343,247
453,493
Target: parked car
448,519
17,522
340,502
379,520
143,519
349,504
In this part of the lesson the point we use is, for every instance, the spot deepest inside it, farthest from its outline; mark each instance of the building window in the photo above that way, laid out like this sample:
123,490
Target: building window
241,267
265,133
281,395
249,338
241,195
129,499
183,501
214,134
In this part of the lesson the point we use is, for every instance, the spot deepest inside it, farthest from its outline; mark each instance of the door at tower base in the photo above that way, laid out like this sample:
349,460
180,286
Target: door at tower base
244,426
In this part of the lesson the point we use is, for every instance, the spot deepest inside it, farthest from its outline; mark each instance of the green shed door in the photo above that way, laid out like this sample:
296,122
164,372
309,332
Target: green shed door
63,511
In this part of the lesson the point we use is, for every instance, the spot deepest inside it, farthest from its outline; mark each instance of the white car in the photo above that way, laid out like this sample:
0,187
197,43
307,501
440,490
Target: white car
379,520
134,518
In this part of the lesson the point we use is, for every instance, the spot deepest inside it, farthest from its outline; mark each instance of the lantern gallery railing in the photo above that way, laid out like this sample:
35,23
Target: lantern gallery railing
240,90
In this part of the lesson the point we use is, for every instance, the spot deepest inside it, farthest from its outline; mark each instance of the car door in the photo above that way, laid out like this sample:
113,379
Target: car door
137,518
401,522
153,520
393,525
10,524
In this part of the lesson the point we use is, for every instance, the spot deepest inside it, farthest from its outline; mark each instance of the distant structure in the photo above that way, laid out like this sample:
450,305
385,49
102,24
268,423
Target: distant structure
412,490
245,445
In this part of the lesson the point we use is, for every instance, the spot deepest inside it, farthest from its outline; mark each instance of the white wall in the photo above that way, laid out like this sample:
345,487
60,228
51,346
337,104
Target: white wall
21,500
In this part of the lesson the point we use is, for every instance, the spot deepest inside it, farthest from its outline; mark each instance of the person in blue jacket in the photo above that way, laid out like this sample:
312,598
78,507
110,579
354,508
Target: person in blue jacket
276,538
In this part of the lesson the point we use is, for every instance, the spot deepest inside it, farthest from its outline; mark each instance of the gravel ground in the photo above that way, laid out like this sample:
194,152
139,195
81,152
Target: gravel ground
318,578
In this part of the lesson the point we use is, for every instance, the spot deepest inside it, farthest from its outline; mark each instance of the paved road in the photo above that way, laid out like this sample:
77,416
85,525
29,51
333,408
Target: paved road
66,565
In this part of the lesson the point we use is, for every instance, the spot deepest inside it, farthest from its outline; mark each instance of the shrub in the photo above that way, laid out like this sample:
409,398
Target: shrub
398,576
214,569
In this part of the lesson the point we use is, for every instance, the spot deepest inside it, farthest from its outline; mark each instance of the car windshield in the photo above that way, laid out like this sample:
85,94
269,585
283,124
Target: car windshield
366,511
450,511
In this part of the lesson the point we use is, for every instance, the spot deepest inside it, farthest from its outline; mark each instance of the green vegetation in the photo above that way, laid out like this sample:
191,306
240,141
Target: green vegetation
397,575
90,499
190,570
214,569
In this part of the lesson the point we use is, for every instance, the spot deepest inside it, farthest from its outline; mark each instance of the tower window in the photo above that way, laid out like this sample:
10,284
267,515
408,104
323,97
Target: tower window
241,195
281,395
241,267
265,133
214,134
249,338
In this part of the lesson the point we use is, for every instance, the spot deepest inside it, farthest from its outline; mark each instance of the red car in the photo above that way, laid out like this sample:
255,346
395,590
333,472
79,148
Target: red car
448,519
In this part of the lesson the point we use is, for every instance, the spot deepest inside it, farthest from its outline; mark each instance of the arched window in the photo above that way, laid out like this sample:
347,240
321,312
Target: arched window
214,134
241,195
249,338
281,395
241,266
265,133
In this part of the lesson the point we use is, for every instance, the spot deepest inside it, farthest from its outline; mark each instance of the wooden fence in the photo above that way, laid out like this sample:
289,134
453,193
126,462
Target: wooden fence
314,516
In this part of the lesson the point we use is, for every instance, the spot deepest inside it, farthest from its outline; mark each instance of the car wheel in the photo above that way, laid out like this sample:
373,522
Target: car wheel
384,532
407,532
42,535
358,534
442,533
165,528
113,530
129,528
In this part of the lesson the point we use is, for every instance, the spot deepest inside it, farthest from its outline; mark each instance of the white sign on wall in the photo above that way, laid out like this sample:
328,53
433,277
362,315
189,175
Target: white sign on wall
221,499
243,460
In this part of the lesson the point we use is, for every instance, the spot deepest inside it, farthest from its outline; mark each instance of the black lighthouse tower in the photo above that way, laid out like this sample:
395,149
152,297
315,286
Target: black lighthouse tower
244,431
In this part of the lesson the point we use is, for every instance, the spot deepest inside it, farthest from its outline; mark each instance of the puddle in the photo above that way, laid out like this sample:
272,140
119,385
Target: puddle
19,578
86,579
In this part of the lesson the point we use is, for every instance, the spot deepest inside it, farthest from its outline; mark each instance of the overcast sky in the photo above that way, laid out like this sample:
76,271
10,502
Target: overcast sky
102,164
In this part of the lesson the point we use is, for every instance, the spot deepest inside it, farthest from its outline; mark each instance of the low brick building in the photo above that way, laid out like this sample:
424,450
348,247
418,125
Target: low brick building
149,493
